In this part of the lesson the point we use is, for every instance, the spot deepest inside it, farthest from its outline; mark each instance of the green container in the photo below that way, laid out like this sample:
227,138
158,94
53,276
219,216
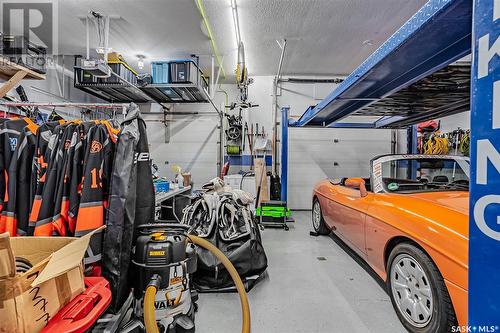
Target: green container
273,211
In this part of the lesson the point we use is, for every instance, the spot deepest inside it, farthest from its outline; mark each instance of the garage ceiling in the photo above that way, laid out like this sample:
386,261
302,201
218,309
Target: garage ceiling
325,37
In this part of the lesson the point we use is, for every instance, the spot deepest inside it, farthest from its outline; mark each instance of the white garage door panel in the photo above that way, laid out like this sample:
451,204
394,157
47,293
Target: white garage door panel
313,153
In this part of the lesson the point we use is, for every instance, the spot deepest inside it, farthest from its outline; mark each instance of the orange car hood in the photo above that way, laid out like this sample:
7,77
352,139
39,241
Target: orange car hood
436,207
457,201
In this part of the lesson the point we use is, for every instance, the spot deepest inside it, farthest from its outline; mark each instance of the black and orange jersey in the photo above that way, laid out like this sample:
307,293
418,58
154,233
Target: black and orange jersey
2,165
75,181
9,140
15,216
69,135
44,225
39,168
95,188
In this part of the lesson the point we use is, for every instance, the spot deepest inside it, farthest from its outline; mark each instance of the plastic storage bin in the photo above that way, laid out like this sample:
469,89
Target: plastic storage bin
122,70
160,72
183,72
162,186
84,310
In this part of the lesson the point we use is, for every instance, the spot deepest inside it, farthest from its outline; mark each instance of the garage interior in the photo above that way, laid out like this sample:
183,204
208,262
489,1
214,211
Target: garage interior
268,166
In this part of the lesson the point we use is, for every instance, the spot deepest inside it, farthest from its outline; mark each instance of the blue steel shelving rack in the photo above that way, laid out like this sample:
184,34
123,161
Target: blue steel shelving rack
440,33
436,36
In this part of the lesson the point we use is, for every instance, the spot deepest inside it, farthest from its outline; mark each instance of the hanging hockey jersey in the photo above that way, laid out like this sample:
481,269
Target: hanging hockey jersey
39,169
2,167
44,225
9,138
15,215
68,141
76,178
95,188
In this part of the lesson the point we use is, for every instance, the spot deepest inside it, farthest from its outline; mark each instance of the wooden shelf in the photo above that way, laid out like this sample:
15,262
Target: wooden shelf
13,73
8,69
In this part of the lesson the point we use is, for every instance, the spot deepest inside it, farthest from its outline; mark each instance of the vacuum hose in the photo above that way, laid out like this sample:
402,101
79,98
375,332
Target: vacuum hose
149,298
149,305
245,308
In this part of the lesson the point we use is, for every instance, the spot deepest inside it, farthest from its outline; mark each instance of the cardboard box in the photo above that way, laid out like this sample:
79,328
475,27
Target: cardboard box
29,300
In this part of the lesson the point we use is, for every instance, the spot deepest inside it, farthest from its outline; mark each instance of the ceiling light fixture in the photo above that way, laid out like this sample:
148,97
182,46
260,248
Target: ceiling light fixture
236,22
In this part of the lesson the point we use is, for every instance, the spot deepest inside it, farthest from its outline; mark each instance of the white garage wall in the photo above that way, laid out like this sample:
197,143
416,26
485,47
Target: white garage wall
192,144
453,122
189,141
312,152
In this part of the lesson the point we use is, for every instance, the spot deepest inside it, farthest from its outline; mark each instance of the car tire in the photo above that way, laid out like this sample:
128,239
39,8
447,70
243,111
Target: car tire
425,305
318,221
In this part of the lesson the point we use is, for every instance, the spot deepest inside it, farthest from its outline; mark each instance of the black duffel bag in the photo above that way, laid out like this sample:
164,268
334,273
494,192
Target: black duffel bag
225,219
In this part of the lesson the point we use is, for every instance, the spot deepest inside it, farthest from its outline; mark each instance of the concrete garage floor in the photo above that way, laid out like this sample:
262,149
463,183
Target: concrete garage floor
302,293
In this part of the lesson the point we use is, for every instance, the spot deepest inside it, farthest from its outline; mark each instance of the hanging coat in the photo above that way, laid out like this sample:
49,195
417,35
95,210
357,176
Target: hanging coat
131,203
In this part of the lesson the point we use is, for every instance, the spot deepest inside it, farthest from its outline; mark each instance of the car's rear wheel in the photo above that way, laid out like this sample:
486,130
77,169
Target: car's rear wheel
418,292
317,219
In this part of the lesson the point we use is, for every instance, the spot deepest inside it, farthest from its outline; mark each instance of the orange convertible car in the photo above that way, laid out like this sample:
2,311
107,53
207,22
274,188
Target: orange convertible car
409,221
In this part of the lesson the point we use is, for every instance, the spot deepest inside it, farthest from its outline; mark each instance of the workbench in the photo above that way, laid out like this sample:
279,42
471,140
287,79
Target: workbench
168,200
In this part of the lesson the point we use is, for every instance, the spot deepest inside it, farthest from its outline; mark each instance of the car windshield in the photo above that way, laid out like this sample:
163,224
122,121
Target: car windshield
424,175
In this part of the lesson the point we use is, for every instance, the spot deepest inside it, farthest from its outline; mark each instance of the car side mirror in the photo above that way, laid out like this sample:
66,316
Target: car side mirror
358,184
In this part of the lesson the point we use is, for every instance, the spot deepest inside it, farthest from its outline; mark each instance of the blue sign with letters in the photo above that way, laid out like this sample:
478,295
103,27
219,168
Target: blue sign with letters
484,226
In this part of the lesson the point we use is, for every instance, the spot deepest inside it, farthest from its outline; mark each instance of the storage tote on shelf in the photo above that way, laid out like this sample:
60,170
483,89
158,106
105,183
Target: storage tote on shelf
160,72
184,71
162,186
121,68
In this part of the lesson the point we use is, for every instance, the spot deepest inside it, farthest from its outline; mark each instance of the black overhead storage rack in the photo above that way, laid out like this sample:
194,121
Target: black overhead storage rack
122,91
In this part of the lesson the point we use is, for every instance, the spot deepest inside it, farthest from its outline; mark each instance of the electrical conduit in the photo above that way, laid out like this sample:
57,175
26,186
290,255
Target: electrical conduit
215,50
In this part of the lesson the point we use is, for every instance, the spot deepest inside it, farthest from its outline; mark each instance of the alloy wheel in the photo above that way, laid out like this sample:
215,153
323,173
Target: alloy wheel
316,215
411,290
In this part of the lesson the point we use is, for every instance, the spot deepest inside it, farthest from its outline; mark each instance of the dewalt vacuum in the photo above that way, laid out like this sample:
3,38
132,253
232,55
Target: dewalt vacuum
163,260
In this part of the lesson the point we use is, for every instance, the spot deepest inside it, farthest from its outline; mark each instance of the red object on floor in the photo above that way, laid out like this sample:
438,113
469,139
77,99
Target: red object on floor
225,170
83,311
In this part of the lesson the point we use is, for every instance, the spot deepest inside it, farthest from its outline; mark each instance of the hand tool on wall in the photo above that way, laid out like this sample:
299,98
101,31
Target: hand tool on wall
244,137
250,145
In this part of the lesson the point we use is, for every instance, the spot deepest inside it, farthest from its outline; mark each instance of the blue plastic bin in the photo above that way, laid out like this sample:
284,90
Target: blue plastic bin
160,72
162,186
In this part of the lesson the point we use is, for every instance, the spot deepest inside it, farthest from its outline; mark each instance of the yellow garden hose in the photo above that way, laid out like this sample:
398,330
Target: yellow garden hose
149,298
